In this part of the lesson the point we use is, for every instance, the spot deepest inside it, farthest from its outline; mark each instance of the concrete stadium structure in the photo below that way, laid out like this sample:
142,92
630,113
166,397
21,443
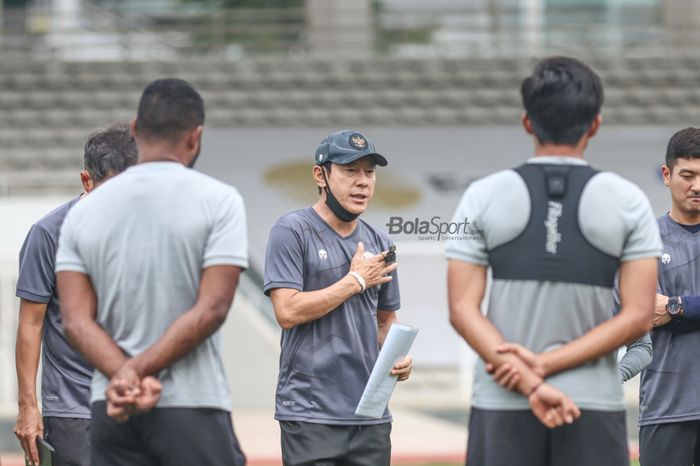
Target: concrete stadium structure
48,108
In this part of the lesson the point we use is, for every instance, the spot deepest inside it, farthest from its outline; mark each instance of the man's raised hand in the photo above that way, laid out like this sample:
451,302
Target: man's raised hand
372,268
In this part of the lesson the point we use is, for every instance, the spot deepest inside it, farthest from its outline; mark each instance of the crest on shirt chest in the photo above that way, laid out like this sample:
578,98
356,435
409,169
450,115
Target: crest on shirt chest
665,258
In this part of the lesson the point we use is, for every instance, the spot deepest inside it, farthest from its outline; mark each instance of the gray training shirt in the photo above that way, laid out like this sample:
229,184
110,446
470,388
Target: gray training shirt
326,363
66,375
614,217
668,385
143,238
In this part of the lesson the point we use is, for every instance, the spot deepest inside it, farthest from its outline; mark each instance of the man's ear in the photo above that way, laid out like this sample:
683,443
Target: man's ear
194,139
527,124
86,181
666,174
132,127
595,125
318,176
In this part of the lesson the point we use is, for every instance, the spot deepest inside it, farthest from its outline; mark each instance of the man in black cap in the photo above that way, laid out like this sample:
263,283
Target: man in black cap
335,293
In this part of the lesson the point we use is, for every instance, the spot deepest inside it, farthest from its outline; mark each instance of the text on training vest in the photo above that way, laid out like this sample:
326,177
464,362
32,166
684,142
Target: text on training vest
552,224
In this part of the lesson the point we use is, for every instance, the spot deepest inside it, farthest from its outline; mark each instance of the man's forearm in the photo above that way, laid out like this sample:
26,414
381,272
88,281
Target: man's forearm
78,311
183,336
599,341
638,356
637,280
384,321
27,352
466,284
305,306
100,350
484,338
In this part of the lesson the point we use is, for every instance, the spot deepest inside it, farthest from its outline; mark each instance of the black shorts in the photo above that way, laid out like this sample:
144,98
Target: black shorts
165,436
517,438
70,437
309,444
672,444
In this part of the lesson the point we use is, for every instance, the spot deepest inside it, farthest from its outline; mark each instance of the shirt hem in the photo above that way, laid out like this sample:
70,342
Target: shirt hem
669,419
64,414
184,404
587,405
336,422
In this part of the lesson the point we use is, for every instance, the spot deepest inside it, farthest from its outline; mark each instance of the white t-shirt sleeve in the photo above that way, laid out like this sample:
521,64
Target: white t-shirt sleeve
472,249
228,239
68,257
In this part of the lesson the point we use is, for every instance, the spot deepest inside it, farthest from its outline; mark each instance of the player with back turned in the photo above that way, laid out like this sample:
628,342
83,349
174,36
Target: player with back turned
555,233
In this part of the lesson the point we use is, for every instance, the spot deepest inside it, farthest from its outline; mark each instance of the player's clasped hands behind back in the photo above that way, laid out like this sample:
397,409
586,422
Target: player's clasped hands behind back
524,373
128,393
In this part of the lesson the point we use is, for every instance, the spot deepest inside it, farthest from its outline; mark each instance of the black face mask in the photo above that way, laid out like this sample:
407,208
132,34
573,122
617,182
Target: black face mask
333,204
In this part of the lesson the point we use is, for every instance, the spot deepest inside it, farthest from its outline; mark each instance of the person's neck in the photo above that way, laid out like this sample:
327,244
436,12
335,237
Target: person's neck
340,227
161,153
683,219
562,150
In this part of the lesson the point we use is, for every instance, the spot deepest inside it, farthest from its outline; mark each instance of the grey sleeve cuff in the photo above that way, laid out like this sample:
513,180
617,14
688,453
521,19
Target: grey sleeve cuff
35,298
67,266
637,357
650,254
273,285
236,261
452,254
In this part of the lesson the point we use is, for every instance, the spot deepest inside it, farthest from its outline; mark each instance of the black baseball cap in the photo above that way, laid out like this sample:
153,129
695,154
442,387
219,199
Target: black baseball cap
345,147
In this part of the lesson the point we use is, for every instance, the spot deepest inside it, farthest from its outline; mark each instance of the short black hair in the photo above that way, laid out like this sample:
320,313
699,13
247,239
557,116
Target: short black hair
168,108
109,151
685,144
562,97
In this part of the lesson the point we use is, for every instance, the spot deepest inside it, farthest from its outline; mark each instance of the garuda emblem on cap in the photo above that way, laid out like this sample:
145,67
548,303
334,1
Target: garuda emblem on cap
358,142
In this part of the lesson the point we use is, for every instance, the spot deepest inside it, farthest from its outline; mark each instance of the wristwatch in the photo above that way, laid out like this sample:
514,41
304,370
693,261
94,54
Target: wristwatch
674,307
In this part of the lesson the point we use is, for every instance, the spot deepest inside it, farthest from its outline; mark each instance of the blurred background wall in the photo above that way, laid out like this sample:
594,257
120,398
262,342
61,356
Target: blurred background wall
434,84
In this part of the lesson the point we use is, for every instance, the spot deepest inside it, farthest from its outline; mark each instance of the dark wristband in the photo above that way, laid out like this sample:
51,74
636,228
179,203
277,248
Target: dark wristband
534,389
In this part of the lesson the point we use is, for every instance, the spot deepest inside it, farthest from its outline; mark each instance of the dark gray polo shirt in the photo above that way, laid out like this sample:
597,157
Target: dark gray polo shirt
668,385
326,363
65,381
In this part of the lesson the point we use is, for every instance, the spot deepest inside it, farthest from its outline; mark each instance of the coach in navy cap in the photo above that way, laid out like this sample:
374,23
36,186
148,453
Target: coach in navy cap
335,291
344,148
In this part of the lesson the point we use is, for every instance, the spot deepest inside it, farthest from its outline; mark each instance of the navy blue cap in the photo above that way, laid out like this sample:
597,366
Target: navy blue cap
345,147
